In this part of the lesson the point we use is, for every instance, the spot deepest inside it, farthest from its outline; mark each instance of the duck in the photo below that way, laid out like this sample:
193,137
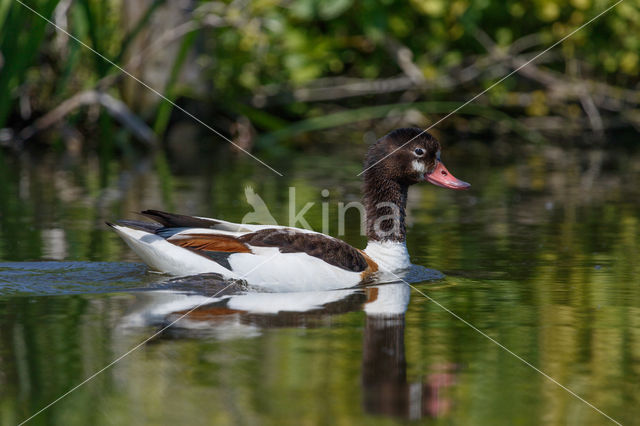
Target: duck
282,258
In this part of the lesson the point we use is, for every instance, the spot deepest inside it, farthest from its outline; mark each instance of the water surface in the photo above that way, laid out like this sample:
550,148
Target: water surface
541,255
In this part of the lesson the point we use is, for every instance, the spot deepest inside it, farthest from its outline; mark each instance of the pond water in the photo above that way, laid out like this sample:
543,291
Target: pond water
541,255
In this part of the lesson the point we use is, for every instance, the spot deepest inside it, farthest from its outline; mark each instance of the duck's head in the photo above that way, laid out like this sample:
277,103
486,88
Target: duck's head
409,156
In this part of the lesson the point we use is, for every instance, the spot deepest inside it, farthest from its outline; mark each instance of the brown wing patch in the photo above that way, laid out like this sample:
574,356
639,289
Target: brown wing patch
372,267
210,242
331,250
372,294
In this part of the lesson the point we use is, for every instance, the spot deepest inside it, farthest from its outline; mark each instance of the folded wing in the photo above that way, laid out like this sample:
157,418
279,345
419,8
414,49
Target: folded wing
279,255
198,234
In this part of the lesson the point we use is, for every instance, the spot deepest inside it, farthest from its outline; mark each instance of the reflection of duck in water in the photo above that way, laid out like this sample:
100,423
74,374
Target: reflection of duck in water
237,313
384,368
236,306
280,258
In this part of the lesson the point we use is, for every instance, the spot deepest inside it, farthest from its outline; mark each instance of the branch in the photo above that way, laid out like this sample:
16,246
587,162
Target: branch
404,58
116,108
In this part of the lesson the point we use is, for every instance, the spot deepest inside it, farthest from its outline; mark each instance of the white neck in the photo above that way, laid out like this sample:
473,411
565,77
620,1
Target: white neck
391,256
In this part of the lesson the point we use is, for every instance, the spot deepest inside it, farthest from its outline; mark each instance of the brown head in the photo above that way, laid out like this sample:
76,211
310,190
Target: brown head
399,159
391,157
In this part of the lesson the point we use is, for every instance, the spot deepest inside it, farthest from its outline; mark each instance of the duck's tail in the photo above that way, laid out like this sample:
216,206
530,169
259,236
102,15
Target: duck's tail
163,256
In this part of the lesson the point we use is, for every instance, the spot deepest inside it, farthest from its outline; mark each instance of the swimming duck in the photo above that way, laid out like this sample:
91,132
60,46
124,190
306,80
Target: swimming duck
282,258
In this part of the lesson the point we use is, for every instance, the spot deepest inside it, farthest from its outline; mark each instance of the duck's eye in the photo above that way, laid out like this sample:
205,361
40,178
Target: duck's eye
419,152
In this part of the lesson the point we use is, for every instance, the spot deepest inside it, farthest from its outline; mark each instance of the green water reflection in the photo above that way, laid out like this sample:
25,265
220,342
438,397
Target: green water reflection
541,255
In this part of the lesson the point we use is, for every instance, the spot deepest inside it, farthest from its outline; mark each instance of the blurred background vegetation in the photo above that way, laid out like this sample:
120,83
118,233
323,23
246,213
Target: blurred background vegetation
269,73
541,253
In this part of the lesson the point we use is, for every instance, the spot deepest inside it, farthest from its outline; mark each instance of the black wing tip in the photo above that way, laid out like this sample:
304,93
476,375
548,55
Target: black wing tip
164,218
141,226
175,220
134,224
153,212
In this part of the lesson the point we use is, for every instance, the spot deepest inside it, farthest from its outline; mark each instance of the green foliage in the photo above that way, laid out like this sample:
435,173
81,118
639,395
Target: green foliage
255,55
21,35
